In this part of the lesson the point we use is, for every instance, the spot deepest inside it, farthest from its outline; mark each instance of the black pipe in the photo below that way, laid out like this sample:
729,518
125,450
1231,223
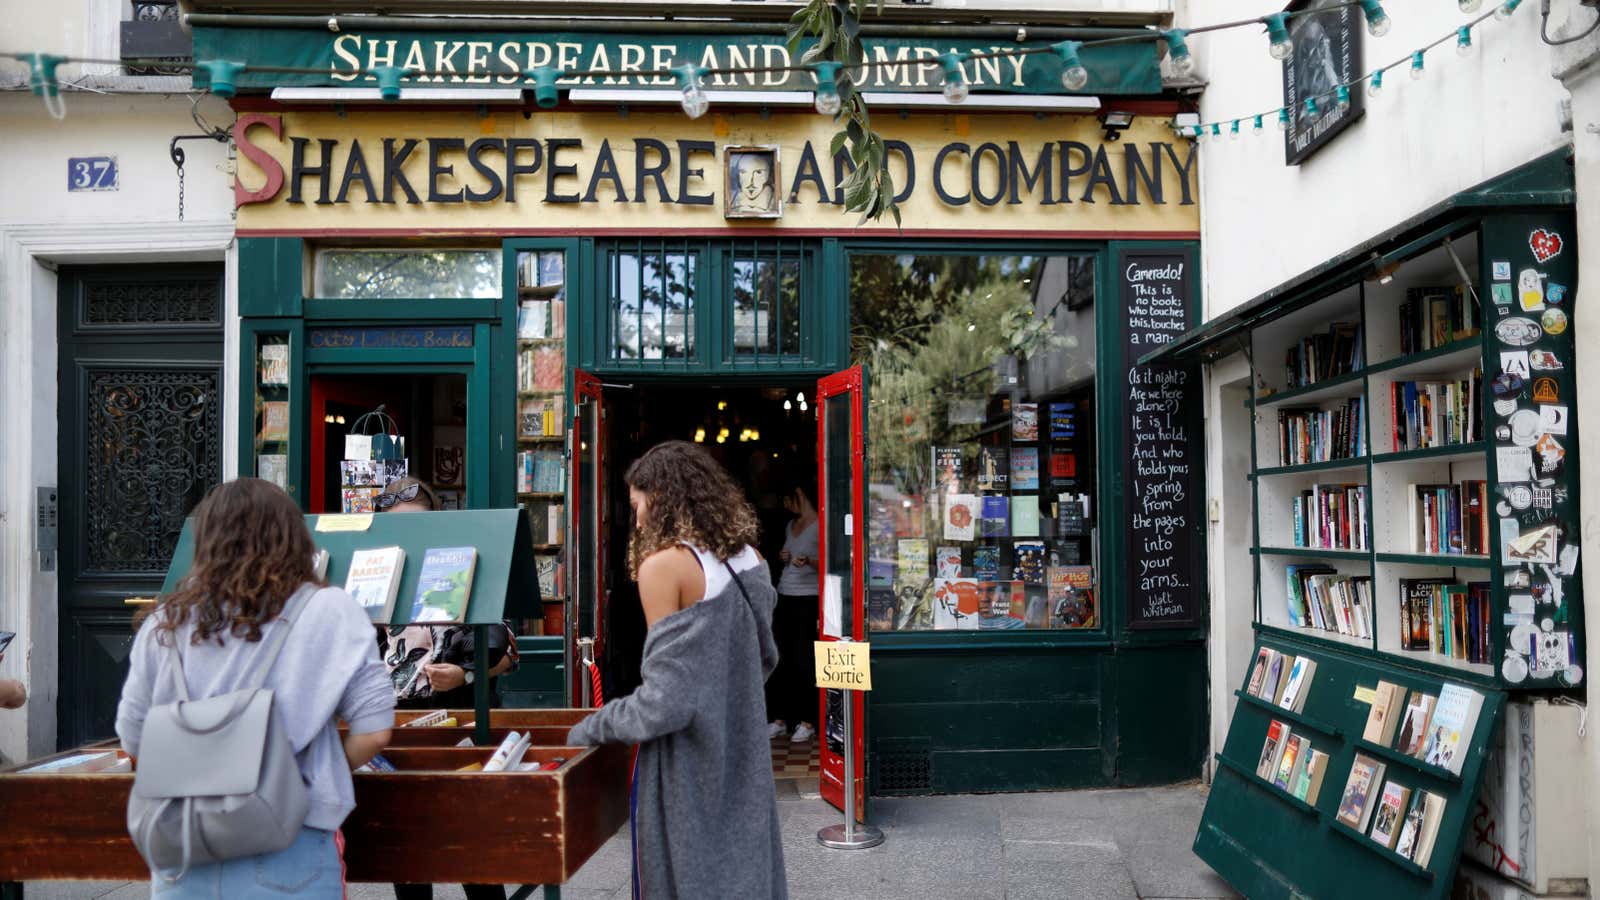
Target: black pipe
645,26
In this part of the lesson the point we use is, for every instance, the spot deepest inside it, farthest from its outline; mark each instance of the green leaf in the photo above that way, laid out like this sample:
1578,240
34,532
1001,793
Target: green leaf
838,144
854,129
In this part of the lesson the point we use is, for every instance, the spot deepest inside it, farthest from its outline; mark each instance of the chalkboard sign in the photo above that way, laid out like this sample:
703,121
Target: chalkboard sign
1162,434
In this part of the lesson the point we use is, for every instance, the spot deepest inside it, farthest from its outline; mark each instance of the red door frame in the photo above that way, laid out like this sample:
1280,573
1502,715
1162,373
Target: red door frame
585,386
849,383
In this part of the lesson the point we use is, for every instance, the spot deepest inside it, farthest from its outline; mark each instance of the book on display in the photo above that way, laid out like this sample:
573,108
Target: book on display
1287,768
1388,818
1385,713
444,584
1278,735
1298,684
1308,783
1355,804
1455,716
374,580
1414,727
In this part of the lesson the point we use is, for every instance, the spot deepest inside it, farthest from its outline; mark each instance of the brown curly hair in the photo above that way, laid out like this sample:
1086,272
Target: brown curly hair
693,501
251,553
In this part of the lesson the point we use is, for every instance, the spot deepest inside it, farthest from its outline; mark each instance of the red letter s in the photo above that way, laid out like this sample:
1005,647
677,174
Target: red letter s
260,157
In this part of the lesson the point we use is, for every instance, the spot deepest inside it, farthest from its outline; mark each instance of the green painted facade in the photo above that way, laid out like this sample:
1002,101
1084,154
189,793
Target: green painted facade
951,711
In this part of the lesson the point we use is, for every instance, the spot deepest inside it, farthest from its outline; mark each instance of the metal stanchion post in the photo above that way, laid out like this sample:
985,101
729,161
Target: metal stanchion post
848,836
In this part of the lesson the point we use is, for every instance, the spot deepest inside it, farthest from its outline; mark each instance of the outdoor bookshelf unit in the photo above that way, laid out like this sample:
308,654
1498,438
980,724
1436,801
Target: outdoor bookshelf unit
1258,836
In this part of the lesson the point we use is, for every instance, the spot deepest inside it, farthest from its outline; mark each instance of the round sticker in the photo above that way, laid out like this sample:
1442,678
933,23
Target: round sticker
1515,668
1517,331
1554,321
1525,428
1520,496
1547,624
1572,675
1502,433
1503,508
1505,407
1523,636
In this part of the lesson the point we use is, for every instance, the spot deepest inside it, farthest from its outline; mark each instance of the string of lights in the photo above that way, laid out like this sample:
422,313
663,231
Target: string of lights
222,74
1339,94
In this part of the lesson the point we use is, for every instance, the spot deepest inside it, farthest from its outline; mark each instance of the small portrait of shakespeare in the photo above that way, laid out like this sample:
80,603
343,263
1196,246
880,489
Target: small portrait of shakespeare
752,190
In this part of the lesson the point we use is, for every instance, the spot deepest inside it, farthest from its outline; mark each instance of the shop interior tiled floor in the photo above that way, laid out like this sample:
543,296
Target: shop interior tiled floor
792,760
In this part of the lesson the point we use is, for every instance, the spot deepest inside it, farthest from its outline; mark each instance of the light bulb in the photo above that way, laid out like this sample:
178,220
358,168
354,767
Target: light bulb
1257,126
828,102
787,405
1376,86
1341,96
1464,41
1073,75
1283,119
1216,130
955,80
1311,107
1178,51
695,102
1282,47
1233,132
801,396
1416,66
1504,10
1469,6
1377,20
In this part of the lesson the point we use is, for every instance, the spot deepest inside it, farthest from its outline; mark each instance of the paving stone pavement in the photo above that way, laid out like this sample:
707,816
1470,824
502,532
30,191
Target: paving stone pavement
1095,845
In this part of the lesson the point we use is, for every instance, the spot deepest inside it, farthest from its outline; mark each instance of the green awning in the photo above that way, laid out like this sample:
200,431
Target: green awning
1543,183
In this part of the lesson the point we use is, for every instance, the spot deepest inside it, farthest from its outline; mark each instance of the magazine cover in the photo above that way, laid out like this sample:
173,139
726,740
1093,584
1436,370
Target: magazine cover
960,517
947,470
913,561
1071,596
948,562
1001,605
1025,422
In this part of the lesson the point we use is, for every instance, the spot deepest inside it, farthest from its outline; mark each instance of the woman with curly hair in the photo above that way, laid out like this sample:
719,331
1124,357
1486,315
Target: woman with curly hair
251,580
704,808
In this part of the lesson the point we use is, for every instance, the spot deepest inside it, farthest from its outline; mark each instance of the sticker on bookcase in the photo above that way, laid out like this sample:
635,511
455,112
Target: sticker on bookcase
1501,293
1551,456
1554,321
1555,294
1518,331
1553,419
1505,407
1502,270
1535,546
1530,290
1515,362
1545,244
1365,694
1544,361
1514,668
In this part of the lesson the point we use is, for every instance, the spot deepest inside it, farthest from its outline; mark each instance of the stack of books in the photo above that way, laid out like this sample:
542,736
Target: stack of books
1331,517
540,472
1436,413
1323,356
1319,435
1450,518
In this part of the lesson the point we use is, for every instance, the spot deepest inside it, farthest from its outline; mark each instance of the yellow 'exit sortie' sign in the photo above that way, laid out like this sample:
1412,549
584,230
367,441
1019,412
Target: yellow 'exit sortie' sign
845,665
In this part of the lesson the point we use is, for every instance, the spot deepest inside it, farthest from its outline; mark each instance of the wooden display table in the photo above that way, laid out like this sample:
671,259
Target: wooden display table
426,823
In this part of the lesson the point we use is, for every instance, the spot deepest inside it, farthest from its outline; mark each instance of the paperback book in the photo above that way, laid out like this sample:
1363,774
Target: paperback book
1025,468
996,520
1387,708
1356,803
444,584
1025,422
994,468
1455,716
1391,811
1278,735
374,580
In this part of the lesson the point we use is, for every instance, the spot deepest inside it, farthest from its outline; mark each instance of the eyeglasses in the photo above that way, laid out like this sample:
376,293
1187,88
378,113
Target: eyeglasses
386,500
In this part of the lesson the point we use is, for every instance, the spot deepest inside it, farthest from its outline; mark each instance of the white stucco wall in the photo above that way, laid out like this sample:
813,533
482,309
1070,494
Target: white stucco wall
1470,119
42,225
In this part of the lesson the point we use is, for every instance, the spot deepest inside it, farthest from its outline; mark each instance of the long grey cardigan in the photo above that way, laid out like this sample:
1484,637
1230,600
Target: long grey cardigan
705,811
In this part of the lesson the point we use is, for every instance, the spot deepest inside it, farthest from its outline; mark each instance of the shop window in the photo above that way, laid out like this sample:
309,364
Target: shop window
542,422
981,433
272,408
767,282
407,274
650,302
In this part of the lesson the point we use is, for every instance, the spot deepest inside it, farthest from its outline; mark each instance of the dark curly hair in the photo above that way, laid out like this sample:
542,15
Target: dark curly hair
251,553
693,501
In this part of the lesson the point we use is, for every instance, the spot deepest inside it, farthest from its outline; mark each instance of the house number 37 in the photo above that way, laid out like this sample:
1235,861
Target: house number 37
92,173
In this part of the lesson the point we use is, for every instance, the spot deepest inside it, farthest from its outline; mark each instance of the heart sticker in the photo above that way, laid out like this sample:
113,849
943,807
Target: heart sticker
1546,245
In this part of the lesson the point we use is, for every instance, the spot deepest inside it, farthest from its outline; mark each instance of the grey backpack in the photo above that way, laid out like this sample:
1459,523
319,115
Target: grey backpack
217,778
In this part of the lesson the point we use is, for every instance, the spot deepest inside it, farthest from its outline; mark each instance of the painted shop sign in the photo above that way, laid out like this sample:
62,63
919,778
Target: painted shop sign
1327,52
380,338
470,172
480,58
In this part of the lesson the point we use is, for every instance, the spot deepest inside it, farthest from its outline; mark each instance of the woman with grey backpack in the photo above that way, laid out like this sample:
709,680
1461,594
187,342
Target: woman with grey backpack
236,682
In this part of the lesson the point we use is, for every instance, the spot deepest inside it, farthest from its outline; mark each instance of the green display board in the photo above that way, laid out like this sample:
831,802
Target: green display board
1266,843
504,584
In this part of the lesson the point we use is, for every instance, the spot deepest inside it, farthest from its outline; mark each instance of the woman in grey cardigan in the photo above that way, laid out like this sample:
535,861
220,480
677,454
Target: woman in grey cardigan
705,815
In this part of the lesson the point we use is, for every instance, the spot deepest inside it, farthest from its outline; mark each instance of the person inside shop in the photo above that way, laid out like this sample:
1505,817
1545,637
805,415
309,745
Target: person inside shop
704,807
430,666
252,578
791,698
12,694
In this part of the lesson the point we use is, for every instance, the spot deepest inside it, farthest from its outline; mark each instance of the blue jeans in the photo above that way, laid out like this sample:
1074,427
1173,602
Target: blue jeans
309,867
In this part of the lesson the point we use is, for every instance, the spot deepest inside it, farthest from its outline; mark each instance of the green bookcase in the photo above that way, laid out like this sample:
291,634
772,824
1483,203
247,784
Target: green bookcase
1266,843
1257,836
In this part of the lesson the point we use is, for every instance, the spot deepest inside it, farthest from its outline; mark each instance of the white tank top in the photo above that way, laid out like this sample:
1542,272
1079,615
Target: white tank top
716,573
